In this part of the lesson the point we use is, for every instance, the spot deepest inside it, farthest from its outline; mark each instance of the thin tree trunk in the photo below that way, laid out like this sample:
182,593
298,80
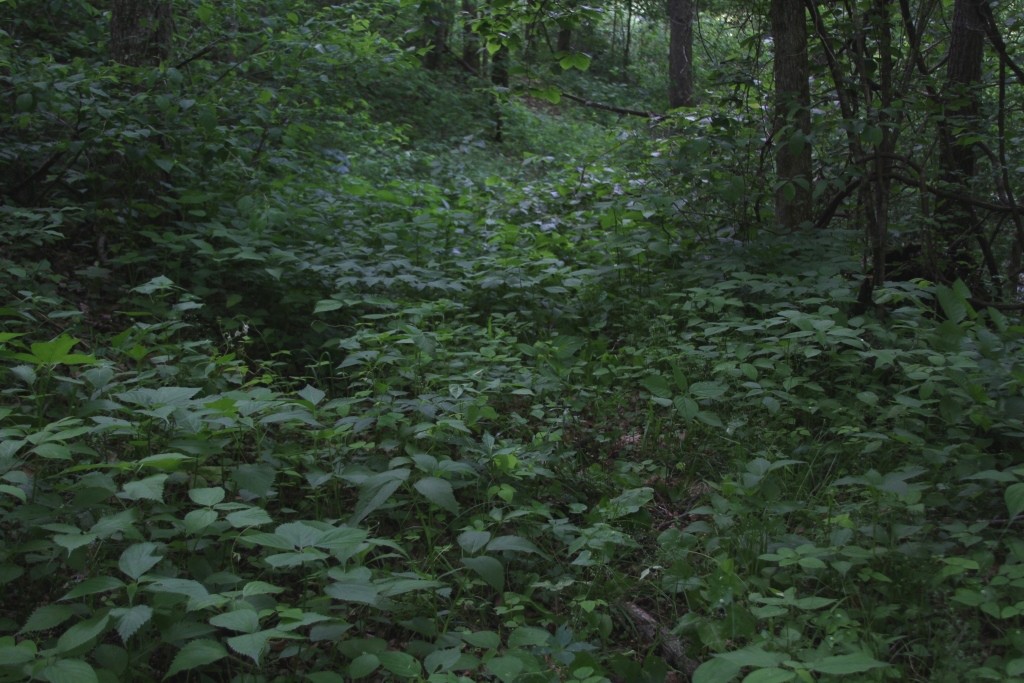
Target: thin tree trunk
958,224
792,113
680,53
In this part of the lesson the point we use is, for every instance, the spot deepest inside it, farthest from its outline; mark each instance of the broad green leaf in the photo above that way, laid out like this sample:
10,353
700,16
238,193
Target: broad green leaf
489,569
516,544
343,542
97,584
82,633
628,502
485,640
363,665
168,462
1014,496
439,492
327,305
375,491
196,653
243,620
253,645
716,670
299,535
150,488
46,617
845,664
249,517
686,407
400,664
505,668
473,541
138,559
707,390
72,542
14,491
440,661
207,496
130,620
70,671
657,385
197,520
954,305
255,478
353,591
528,635
772,675
13,655
312,394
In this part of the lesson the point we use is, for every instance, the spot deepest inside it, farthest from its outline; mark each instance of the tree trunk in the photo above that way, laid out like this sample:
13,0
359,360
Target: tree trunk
500,80
470,39
792,113
958,224
437,17
141,31
680,53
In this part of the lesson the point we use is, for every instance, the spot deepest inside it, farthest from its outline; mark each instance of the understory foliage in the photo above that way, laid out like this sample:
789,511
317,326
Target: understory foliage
304,379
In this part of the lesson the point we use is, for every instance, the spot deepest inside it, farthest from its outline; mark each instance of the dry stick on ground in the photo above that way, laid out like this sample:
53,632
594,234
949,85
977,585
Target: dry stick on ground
615,110
672,648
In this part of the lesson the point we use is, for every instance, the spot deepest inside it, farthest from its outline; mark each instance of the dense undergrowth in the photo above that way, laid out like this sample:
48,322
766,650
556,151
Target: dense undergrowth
352,397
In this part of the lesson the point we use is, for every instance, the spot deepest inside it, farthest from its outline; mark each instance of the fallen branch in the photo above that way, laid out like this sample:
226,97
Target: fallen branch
672,648
615,110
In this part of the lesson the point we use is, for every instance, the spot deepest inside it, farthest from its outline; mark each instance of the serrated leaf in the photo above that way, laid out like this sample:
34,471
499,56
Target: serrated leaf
253,645
132,619
249,517
1014,497
150,488
70,671
97,584
196,653
241,620
46,617
138,559
439,492
489,569
82,633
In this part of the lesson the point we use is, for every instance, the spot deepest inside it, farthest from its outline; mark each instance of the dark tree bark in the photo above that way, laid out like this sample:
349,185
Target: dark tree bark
958,224
437,17
680,53
470,39
500,80
141,31
792,125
